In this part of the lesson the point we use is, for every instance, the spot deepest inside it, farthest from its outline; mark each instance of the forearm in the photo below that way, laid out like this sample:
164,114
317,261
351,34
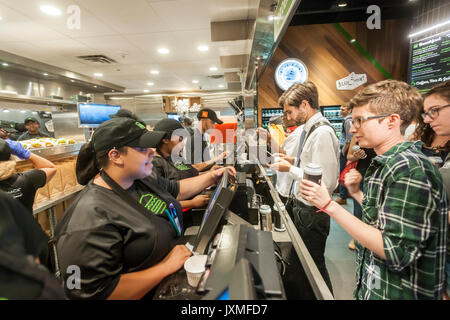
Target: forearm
358,196
201,166
39,162
366,235
193,186
135,285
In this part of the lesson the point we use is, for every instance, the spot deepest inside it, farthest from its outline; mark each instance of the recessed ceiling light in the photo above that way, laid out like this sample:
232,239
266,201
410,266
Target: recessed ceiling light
163,51
353,40
213,69
146,91
342,4
194,81
50,10
221,86
45,74
202,48
154,72
72,80
150,83
98,74
5,64
95,86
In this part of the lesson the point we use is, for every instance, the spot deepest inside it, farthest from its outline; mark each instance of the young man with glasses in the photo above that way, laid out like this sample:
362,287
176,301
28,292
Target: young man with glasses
401,239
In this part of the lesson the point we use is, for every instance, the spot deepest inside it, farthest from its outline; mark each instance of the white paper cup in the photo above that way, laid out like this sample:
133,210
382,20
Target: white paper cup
195,266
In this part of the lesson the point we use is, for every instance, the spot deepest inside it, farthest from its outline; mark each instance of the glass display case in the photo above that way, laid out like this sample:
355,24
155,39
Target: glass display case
333,114
266,114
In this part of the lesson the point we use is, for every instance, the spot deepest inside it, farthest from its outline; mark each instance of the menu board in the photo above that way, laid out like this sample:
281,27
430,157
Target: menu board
430,61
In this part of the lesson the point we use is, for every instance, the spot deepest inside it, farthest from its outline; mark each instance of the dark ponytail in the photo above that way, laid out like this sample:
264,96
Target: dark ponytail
86,167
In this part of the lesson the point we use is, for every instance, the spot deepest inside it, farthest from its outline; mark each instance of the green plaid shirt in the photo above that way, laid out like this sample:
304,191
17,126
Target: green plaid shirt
404,197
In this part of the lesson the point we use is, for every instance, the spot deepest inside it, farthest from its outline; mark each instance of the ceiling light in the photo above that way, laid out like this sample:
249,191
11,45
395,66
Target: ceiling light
429,29
146,91
194,81
163,51
45,74
202,48
98,74
221,86
342,4
50,10
72,80
5,64
8,91
150,83
5,111
271,17
183,89
95,86
154,72
353,40
22,111
213,69
1,18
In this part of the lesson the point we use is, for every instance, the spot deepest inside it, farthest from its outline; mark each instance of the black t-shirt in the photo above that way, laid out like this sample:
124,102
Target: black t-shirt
22,239
20,233
106,237
28,136
23,186
166,168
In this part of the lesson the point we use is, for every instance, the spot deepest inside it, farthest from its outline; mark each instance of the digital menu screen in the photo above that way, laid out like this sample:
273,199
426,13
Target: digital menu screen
429,62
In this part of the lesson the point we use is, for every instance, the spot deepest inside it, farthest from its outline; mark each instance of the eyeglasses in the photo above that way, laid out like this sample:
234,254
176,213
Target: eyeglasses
358,121
140,149
434,113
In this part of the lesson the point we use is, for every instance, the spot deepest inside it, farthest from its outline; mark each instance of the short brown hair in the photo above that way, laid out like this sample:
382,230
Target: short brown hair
389,97
282,98
303,91
442,89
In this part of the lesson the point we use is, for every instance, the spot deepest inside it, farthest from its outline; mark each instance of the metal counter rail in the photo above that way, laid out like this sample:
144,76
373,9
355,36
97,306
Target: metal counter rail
315,278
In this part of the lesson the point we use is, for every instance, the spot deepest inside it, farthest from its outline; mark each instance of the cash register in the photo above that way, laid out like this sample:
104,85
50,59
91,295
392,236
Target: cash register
241,262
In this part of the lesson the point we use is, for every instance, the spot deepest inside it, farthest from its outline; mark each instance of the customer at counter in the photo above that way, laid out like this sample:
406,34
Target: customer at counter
401,239
318,145
33,126
23,185
122,230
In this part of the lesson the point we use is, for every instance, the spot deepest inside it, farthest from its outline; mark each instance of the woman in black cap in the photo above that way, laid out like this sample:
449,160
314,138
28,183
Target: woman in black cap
122,230
168,162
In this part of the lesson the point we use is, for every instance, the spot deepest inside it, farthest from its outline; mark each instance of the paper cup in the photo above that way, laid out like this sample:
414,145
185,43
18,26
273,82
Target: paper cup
195,266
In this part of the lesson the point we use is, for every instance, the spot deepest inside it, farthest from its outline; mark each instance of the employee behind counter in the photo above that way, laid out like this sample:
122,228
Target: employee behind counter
122,241
32,125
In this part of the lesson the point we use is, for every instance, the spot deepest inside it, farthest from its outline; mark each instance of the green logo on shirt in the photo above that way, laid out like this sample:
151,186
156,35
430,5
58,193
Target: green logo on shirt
181,166
152,203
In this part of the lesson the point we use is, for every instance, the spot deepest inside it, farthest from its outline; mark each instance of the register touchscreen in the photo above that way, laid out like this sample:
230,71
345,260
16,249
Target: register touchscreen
212,217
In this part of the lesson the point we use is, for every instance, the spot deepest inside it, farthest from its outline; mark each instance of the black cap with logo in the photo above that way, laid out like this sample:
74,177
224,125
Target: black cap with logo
5,151
168,126
120,132
30,119
208,114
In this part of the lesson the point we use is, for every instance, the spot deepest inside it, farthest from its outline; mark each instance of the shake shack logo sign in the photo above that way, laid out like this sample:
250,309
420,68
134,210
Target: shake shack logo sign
152,203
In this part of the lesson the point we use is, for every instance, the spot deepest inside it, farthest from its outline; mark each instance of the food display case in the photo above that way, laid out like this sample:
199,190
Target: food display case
333,114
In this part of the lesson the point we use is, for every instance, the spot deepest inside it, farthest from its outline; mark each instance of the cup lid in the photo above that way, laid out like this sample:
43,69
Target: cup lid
195,264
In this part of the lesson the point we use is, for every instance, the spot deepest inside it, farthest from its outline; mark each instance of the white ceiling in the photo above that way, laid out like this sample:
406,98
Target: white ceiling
130,32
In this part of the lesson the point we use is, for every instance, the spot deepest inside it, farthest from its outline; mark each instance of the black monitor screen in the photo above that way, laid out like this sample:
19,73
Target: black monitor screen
212,217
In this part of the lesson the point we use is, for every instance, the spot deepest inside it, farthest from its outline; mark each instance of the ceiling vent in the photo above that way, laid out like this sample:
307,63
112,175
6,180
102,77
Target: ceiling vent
98,58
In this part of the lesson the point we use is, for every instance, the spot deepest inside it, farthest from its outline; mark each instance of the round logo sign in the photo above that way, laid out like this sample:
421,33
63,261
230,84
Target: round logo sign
290,71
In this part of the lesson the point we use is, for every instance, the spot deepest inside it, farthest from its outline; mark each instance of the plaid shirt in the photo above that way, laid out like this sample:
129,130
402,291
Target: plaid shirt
405,199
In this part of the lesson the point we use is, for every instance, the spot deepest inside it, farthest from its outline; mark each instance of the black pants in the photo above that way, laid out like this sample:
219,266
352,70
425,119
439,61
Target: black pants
314,228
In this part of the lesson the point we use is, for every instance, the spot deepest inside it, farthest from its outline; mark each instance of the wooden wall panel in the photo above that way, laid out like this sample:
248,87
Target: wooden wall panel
330,56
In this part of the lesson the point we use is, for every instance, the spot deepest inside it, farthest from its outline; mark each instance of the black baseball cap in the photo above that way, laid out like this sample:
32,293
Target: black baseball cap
30,119
124,113
5,151
120,132
208,114
168,125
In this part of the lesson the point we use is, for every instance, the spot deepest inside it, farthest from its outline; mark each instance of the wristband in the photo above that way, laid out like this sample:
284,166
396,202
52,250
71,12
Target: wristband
325,206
